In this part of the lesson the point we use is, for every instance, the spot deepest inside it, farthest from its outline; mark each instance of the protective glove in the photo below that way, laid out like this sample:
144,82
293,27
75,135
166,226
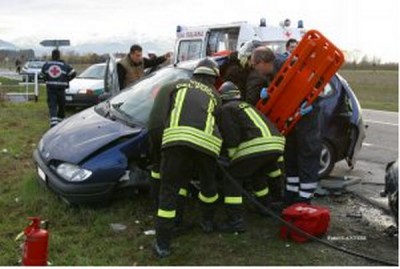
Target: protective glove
304,109
264,93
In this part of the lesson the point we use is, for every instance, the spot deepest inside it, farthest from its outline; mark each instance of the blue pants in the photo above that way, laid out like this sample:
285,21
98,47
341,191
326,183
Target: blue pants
56,104
302,158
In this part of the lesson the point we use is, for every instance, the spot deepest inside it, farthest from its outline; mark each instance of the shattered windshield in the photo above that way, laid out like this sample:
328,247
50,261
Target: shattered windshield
136,101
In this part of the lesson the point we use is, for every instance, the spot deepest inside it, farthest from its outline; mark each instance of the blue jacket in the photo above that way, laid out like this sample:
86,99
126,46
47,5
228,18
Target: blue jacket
57,74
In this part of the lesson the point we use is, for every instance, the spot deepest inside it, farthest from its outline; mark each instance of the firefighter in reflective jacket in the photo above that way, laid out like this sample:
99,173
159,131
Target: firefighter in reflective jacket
190,146
57,75
155,127
254,147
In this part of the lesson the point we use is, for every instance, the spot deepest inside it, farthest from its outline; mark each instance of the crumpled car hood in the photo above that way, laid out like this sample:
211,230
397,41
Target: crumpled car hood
82,134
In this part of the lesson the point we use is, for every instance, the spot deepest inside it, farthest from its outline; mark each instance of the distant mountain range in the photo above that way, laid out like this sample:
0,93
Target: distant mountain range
4,45
159,46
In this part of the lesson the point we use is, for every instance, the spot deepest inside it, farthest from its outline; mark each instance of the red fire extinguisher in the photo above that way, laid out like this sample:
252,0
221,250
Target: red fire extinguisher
35,250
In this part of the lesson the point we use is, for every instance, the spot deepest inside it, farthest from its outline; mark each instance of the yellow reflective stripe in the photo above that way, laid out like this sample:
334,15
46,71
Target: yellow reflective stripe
258,121
194,136
176,112
262,192
155,175
168,214
260,144
280,159
231,152
233,200
261,141
275,173
208,200
257,149
210,118
183,192
191,130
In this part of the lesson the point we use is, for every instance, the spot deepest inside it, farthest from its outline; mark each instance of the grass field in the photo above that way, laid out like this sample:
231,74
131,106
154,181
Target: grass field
82,236
375,89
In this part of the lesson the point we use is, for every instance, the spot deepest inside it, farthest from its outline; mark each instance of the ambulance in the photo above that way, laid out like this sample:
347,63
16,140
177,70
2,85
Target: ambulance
201,41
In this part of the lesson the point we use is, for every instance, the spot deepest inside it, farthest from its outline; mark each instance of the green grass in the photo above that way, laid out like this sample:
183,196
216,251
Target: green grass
374,89
82,236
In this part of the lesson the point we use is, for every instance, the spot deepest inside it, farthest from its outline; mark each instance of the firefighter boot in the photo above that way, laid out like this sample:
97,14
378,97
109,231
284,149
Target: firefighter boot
163,237
234,222
208,212
180,226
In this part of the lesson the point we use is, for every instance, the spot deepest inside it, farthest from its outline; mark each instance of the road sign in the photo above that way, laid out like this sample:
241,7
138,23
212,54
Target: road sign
55,43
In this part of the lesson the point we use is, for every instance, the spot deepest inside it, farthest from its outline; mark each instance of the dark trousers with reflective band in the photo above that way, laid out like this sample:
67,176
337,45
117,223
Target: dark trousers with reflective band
179,165
155,139
302,158
56,104
256,173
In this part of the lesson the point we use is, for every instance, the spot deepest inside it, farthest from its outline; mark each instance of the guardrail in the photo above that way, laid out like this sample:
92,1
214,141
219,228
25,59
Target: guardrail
23,96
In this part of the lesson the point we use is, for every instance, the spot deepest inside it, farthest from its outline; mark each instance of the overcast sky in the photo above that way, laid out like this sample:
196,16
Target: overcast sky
371,26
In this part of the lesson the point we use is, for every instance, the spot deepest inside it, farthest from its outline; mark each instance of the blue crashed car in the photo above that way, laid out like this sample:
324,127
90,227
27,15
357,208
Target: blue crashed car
91,154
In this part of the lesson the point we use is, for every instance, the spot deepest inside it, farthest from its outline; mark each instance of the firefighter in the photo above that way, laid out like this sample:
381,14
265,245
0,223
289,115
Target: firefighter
190,145
155,128
57,74
132,66
254,147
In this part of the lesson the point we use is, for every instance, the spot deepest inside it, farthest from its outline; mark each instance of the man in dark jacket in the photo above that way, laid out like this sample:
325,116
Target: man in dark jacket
254,147
191,144
131,67
262,61
57,75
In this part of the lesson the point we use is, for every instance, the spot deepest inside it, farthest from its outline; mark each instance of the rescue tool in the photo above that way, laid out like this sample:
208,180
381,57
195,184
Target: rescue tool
300,80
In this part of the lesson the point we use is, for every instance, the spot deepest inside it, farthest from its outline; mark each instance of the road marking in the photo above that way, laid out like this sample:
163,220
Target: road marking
379,147
383,122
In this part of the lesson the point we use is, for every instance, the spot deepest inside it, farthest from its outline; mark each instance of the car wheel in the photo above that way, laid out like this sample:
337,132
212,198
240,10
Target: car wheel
327,159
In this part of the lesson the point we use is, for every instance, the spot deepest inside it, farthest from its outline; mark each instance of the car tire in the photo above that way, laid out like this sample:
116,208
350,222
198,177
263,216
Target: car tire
327,159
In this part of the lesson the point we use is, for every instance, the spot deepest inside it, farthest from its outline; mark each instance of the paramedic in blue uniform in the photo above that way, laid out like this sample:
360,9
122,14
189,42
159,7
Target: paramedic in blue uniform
57,75
302,150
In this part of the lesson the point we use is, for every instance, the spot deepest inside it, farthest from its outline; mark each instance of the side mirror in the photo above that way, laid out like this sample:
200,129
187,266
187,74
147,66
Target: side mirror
104,96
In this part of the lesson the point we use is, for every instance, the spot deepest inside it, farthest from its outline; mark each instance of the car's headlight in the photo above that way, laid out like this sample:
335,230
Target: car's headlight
73,172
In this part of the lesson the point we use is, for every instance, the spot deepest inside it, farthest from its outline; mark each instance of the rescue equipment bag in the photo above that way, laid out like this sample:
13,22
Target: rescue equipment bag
310,219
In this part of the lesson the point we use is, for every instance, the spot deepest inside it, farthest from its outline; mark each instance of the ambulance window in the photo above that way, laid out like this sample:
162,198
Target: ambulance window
277,47
222,39
189,50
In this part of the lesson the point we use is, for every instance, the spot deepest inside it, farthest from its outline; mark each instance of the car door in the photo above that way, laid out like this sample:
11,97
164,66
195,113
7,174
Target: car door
111,83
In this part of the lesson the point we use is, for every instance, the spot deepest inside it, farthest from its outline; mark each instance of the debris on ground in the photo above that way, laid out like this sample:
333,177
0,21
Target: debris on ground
118,227
150,232
354,214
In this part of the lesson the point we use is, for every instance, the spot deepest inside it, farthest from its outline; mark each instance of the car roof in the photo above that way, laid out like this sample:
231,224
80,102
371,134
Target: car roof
191,64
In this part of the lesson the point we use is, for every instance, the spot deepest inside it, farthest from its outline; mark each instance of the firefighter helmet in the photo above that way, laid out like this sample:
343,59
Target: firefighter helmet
229,91
207,66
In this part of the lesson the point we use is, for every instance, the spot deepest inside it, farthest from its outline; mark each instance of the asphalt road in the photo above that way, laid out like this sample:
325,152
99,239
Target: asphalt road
380,147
